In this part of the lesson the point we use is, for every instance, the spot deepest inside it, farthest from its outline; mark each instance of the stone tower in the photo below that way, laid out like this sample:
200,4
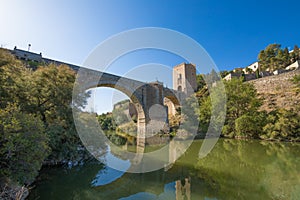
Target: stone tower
184,78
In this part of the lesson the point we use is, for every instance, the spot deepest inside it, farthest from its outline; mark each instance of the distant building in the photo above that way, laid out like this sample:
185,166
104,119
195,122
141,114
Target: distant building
232,75
27,55
38,58
238,70
247,77
251,68
294,66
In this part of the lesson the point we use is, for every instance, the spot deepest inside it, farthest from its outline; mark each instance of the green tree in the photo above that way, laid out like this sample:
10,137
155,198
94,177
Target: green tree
282,125
35,117
204,114
212,109
200,82
273,57
23,144
268,57
13,80
242,102
106,122
295,55
224,73
6,58
189,117
50,97
250,125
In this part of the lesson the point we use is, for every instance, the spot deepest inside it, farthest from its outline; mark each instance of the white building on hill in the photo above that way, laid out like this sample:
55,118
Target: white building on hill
251,68
294,66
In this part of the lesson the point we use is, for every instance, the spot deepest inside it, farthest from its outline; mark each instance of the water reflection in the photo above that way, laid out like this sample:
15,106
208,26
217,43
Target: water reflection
168,193
233,170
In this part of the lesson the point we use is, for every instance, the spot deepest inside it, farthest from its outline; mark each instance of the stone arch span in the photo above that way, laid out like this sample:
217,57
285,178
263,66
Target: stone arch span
176,97
131,88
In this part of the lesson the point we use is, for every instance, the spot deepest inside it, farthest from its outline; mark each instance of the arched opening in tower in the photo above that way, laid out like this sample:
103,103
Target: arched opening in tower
179,88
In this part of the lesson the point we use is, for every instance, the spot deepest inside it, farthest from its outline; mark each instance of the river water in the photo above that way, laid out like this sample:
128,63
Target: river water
234,169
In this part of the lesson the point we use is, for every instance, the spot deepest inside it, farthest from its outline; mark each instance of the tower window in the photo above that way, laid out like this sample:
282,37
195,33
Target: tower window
179,88
179,81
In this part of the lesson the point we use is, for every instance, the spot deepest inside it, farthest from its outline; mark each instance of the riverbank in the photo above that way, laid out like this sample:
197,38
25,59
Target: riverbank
13,191
10,190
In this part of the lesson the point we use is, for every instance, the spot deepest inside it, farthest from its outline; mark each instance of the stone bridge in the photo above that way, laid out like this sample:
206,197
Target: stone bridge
151,101
148,98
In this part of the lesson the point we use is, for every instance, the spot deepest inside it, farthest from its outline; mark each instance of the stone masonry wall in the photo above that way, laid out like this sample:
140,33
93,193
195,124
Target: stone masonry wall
277,91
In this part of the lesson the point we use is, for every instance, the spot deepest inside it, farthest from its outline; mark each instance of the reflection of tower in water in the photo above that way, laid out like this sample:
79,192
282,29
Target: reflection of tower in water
183,189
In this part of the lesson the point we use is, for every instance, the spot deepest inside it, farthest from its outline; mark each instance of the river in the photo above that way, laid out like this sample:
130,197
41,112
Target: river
234,169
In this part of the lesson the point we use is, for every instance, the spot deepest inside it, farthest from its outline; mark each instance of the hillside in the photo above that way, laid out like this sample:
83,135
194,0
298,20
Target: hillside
277,91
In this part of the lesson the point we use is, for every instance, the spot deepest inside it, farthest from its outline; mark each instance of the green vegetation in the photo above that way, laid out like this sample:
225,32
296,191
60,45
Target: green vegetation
24,144
282,125
117,118
200,81
36,122
242,103
244,119
296,81
274,57
106,122
118,125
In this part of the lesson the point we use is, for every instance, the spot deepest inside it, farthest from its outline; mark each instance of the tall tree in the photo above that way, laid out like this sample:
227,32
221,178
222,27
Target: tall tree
273,57
200,81
51,98
13,80
268,57
295,55
242,101
23,142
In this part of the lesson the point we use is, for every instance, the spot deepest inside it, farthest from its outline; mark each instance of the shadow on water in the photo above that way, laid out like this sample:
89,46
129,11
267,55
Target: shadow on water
235,169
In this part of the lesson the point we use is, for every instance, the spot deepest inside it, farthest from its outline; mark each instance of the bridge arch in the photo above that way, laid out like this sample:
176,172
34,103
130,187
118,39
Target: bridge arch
90,79
174,96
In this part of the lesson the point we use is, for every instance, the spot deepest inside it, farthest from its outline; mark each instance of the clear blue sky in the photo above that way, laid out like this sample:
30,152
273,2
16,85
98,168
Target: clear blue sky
232,32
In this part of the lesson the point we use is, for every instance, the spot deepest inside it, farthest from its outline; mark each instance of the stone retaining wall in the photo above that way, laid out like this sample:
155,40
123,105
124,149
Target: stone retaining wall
277,91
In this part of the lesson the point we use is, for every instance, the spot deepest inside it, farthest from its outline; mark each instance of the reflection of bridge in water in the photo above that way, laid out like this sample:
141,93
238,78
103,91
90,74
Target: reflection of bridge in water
180,177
